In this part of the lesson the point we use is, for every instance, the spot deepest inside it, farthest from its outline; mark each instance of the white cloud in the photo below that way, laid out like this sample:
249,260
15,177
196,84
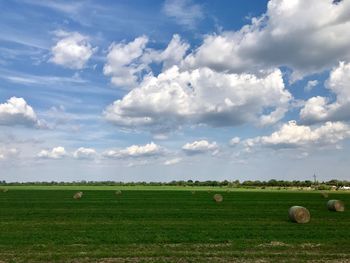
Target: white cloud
184,12
31,80
56,153
306,36
172,161
202,96
85,153
127,63
136,151
8,153
72,50
339,81
310,85
234,141
172,55
292,135
318,109
198,147
68,8
124,63
16,111
314,110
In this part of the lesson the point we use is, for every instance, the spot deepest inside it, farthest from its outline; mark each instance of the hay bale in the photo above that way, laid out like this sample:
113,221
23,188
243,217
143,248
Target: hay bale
335,205
218,198
4,190
299,214
78,195
324,195
118,192
193,192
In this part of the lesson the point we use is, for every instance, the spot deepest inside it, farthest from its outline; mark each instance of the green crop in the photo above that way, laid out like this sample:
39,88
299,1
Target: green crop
169,226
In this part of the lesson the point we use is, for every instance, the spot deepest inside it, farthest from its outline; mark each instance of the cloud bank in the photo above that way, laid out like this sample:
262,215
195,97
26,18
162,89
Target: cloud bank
202,96
292,135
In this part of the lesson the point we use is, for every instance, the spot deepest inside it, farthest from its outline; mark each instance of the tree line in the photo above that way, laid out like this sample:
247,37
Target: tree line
236,183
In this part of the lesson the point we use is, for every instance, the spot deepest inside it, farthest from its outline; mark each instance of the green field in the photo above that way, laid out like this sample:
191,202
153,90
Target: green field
168,226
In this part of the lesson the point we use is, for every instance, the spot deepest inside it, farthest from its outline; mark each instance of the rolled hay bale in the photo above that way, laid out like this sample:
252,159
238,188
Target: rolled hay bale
299,214
335,205
4,190
218,198
324,195
193,192
78,195
118,192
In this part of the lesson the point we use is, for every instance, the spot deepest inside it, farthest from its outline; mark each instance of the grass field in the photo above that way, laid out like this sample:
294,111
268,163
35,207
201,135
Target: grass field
168,226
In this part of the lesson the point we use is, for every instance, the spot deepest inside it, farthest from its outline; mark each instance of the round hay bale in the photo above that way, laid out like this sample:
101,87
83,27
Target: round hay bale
218,198
118,192
335,205
78,195
299,214
324,195
4,190
193,192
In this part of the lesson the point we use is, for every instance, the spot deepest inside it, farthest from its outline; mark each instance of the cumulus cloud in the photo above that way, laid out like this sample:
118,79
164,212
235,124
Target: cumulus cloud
184,12
72,50
310,85
314,110
16,111
201,96
124,63
199,147
306,36
55,153
292,135
127,63
172,55
136,151
85,153
320,109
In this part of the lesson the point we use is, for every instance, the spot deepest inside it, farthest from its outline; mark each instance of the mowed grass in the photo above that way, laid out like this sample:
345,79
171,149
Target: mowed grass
169,226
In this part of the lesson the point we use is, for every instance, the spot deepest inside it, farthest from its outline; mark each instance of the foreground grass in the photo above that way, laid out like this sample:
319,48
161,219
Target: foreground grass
169,226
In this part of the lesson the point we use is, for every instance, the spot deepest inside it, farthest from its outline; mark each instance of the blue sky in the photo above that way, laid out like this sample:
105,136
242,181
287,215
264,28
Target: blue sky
174,90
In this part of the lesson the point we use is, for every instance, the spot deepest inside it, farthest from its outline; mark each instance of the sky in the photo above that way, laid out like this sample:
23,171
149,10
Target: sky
174,90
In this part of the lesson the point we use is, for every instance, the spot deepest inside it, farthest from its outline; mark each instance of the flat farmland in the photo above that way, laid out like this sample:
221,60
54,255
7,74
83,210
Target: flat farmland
169,226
